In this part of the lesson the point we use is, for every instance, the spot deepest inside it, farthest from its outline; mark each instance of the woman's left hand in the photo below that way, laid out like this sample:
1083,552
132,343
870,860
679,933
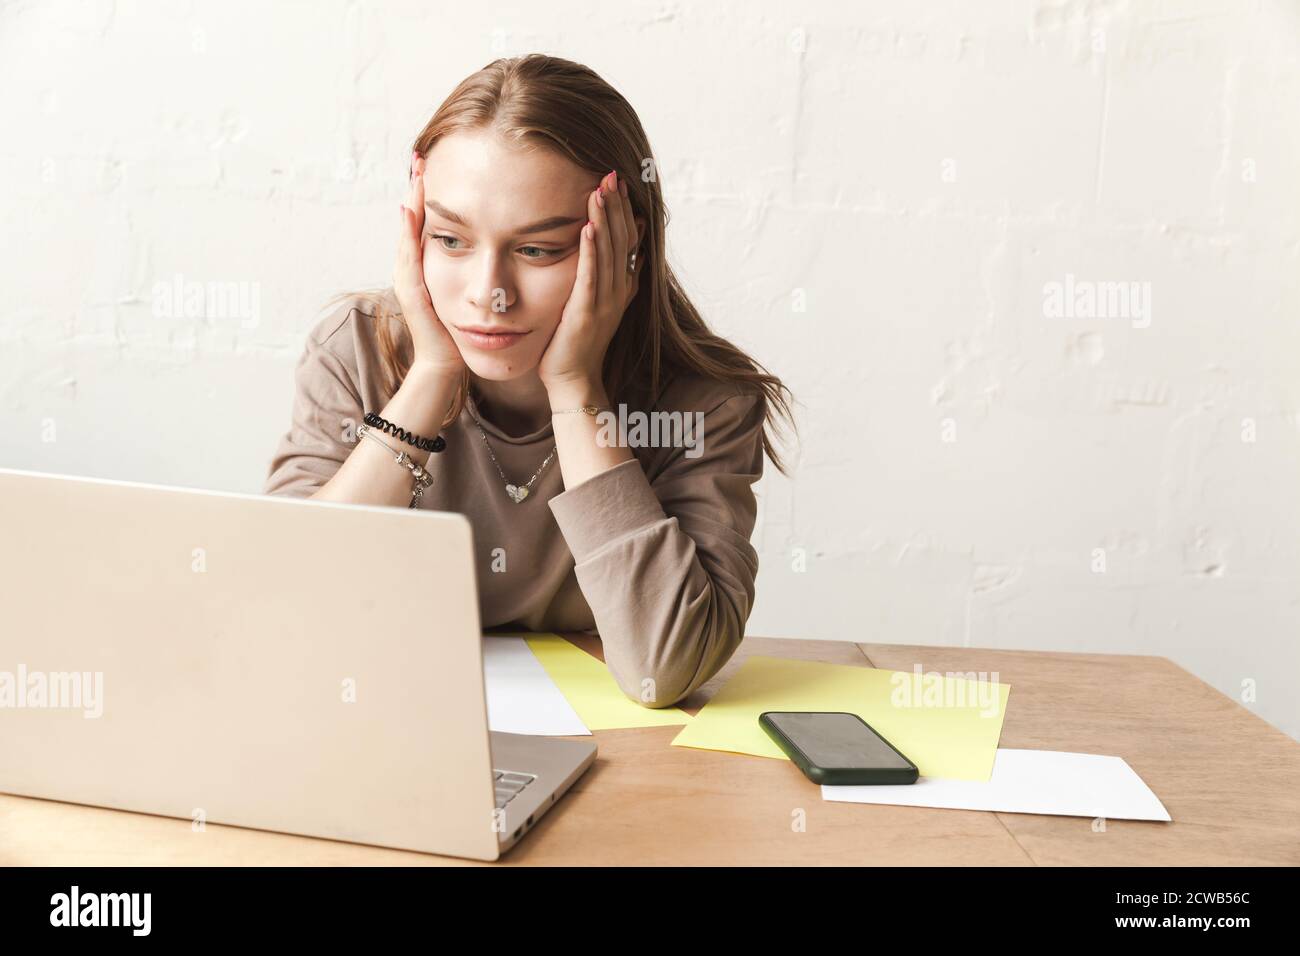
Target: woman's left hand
602,290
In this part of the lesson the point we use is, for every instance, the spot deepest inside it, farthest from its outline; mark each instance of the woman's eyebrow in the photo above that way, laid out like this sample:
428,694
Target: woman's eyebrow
542,225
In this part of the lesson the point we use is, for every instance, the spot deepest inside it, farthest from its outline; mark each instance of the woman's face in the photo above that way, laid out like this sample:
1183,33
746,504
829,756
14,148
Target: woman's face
501,248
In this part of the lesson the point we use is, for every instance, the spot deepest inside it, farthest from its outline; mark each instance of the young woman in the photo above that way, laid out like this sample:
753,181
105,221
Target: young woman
532,321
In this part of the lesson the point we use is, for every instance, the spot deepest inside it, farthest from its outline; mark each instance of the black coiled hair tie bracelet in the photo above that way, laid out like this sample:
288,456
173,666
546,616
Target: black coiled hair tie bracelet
424,444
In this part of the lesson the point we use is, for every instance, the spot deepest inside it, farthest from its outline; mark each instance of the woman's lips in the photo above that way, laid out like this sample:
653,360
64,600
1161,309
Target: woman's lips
502,340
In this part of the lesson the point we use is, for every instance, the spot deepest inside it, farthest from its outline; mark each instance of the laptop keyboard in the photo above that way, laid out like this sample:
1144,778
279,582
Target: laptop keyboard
509,783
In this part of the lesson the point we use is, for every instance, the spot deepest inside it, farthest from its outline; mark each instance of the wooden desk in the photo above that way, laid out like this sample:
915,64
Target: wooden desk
1230,780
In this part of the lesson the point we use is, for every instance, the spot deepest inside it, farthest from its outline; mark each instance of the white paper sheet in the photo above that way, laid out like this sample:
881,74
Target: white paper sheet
1028,781
521,697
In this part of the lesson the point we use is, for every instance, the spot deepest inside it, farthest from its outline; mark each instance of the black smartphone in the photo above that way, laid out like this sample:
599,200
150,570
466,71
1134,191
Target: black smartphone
836,748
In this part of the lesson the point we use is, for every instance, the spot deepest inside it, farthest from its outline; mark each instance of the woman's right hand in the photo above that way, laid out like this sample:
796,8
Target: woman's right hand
434,346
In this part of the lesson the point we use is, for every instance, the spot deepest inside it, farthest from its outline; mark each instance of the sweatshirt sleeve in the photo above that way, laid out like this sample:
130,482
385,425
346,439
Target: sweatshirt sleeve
325,400
667,567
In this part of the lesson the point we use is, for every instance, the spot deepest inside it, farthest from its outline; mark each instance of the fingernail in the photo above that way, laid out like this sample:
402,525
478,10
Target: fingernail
613,180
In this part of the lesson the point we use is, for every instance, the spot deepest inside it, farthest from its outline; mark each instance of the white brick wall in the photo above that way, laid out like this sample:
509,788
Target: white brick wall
916,171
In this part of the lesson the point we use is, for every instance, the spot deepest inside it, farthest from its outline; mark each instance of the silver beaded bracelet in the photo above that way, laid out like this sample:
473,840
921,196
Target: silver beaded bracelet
585,409
422,477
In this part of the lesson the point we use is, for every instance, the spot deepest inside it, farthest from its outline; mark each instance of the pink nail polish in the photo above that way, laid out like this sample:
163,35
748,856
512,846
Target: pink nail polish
613,180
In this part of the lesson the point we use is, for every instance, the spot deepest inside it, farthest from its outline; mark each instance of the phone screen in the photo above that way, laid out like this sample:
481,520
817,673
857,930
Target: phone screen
837,741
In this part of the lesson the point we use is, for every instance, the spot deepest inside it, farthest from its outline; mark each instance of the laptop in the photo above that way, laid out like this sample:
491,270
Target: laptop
301,666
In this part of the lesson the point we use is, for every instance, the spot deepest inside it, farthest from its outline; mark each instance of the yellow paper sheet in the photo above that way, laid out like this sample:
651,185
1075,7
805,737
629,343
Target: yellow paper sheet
920,714
591,689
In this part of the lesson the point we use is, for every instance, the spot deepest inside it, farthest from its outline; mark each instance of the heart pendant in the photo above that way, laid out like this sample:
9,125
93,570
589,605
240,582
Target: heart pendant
517,493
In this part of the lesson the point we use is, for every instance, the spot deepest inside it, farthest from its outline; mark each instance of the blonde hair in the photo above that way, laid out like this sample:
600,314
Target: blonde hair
553,103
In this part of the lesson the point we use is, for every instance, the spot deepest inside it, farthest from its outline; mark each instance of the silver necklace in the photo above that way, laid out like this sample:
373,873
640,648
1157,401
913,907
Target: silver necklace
517,493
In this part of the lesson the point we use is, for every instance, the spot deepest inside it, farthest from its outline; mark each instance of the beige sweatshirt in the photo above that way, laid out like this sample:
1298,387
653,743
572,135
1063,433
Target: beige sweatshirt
654,553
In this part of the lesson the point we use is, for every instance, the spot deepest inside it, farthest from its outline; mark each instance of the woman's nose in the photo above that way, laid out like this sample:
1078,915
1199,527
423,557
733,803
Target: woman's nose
495,290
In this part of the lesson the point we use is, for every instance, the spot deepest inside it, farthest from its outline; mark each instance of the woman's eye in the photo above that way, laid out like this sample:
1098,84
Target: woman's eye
444,244
543,253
